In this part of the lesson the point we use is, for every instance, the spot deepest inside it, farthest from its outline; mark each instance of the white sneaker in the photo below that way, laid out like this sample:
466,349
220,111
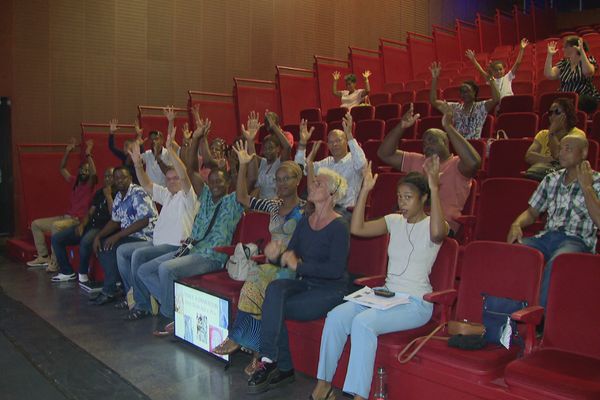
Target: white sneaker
83,278
63,278
39,261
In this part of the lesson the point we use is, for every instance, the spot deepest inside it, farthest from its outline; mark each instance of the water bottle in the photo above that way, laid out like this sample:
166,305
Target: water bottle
380,393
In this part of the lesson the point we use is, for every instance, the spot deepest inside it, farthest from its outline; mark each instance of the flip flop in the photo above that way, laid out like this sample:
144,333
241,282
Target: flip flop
167,331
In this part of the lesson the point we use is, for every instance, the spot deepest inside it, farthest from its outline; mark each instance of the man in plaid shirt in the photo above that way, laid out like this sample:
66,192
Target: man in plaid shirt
570,197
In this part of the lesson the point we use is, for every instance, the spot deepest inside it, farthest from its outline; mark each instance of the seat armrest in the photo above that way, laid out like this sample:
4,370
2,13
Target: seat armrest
444,297
225,249
370,281
466,220
531,316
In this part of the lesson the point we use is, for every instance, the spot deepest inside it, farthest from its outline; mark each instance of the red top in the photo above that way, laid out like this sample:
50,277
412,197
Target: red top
81,197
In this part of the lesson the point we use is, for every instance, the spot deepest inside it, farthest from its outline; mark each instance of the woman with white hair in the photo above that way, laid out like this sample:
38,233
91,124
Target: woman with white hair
318,253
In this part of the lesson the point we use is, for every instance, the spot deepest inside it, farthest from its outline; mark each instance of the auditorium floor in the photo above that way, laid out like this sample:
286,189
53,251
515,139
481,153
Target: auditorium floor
160,368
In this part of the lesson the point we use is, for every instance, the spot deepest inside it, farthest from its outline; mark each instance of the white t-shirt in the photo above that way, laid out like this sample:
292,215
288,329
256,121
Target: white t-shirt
176,216
350,100
153,169
504,84
411,255
266,178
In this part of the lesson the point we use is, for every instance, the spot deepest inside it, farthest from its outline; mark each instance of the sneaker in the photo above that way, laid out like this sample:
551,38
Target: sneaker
281,378
259,381
39,262
63,278
52,266
83,278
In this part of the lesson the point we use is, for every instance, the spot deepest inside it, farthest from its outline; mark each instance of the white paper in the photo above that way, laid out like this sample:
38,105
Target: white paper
506,334
367,298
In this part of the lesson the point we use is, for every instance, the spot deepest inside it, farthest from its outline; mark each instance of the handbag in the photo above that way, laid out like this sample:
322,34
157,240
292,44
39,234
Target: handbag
538,171
499,327
188,244
463,329
240,262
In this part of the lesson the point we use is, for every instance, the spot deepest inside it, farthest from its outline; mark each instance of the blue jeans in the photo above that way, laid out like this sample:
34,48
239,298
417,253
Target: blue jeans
108,261
131,255
299,300
156,277
364,324
68,237
551,245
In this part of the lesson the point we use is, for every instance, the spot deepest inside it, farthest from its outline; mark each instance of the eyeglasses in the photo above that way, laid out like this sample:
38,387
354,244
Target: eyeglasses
554,111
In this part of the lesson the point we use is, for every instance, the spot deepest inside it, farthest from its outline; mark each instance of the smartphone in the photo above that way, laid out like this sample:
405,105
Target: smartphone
383,293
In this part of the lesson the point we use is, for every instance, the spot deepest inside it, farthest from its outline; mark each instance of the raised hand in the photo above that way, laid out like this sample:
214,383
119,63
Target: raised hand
196,114
585,174
134,153
470,54
71,145
435,68
552,49
170,138
138,132
524,43
187,134
113,125
253,125
313,152
447,111
409,119
579,46
368,179
241,149
347,125
336,75
431,166
305,133
89,145
366,74
169,112
202,128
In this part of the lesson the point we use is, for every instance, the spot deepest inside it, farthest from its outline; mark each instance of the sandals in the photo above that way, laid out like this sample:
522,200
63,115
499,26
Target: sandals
167,331
226,348
135,315
329,396
252,367
122,305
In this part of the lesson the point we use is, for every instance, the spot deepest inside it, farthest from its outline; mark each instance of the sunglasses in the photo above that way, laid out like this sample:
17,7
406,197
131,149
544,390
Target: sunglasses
554,111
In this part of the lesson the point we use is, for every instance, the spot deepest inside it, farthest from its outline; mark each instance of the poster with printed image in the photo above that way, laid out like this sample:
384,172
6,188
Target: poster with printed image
201,318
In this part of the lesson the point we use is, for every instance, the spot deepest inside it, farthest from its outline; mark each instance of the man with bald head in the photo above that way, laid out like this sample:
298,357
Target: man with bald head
569,196
456,171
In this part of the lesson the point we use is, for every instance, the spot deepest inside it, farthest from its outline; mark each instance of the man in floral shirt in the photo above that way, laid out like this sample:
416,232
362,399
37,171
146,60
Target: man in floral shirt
133,219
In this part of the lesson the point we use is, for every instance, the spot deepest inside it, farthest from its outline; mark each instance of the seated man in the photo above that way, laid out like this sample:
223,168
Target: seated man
83,189
214,225
570,199
84,233
157,159
456,172
133,218
179,206
349,164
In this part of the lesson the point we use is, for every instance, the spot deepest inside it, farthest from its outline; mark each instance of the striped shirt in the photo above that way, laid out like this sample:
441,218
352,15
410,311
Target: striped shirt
281,226
566,208
573,80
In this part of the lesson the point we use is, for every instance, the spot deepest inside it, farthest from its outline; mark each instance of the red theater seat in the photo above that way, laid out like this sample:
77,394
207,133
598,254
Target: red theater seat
415,85
297,91
522,88
545,100
423,94
152,119
567,363
518,124
547,85
320,132
507,158
387,111
427,123
392,123
379,98
220,109
581,121
360,113
369,129
595,132
403,97
311,114
336,114
423,108
383,199
516,103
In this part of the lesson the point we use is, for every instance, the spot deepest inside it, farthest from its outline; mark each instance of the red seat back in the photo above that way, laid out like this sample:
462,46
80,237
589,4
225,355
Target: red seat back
219,108
546,99
103,157
379,98
547,85
595,133
498,269
507,158
415,85
522,88
572,322
428,123
320,132
581,121
253,228
370,148
392,123
443,271
518,124
325,67
384,198
387,111
255,95
516,103
311,114
369,129
368,256
297,92
152,119
495,214
336,114
360,113
403,97
423,108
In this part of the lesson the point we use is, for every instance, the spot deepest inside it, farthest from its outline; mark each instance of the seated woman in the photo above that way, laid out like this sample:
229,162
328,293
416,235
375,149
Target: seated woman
575,71
469,115
286,210
542,155
415,240
318,253
351,97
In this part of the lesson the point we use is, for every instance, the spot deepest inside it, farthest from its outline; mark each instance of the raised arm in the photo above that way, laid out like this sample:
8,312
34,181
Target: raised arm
305,135
551,72
470,54
359,160
336,77
178,164
202,129
438,227
435,69
89,145
241,190
63,162
310,161
517,64
286,148
358,225
469,158
169,112
366,76
586,66
388,150
111,140
590,194
249,133
140,171
491,104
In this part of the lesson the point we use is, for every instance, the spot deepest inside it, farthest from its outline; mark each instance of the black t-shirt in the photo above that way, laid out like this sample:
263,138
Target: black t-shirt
101,215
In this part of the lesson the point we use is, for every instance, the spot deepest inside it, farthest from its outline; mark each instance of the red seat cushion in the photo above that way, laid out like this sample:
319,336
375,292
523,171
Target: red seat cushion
309,329
556,374
218,283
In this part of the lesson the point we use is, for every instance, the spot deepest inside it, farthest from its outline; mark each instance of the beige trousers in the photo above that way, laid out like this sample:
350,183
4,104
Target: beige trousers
50,224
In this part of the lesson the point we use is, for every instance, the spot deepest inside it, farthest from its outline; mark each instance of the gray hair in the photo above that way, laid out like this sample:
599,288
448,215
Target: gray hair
337,184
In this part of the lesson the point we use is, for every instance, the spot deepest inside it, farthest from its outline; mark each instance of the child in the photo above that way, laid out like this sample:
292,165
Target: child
352,96
497,68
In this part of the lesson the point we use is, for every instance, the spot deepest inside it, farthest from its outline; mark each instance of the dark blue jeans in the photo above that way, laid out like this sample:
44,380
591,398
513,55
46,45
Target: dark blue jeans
551,245
69,237
108,260
298,300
